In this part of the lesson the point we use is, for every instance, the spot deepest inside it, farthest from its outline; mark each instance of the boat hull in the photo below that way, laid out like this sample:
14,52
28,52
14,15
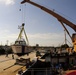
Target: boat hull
20,50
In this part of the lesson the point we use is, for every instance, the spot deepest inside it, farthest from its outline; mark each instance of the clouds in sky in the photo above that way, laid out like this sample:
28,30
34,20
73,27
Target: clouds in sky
43,39
45,36
38,38
7,2
46,39
7,35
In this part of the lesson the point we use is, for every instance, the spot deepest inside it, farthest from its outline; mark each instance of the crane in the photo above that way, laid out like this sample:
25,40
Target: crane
20,34
61,19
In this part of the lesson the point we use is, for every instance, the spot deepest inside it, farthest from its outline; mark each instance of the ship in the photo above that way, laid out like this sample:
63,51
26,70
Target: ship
21,47
58,61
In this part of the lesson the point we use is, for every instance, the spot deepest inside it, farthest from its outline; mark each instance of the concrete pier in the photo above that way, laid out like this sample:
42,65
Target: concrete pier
7,66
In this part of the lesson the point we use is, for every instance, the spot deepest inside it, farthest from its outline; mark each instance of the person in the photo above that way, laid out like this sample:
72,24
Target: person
6,50
6,54
12,56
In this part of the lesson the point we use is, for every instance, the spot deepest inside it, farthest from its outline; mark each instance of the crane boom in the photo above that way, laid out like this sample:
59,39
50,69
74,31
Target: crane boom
59,17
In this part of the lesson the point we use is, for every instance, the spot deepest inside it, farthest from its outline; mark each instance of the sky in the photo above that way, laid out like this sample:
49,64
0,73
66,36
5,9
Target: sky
41,28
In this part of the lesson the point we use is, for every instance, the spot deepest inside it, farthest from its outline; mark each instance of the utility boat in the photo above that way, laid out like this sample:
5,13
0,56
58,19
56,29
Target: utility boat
21,47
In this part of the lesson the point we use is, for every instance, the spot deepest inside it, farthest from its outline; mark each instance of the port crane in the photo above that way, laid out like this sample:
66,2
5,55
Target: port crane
21,31
61,19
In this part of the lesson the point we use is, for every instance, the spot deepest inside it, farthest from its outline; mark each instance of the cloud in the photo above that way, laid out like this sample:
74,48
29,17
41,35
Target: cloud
6,35
46,36
46,39
7,2
43,39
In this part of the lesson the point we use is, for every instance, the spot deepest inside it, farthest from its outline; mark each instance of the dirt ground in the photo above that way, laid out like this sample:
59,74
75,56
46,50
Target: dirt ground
7,66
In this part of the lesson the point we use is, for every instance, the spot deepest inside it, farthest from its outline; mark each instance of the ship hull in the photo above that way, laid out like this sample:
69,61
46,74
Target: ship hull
20,50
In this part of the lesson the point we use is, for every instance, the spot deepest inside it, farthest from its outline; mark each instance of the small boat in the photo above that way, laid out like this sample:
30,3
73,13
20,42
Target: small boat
20,47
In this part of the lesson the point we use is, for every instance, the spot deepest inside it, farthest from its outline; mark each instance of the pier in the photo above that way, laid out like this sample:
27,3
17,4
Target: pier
7,64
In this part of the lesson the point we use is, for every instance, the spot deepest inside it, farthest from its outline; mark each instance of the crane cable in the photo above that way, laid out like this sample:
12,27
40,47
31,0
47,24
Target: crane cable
22,10
23,21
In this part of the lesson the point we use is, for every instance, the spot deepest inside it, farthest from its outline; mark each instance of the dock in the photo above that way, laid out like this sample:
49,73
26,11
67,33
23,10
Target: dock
8,67
7,64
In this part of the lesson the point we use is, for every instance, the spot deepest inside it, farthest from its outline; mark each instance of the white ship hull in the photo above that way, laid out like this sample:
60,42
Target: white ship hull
20,50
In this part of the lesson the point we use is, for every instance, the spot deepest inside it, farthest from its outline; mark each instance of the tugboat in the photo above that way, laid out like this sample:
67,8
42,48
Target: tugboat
21,47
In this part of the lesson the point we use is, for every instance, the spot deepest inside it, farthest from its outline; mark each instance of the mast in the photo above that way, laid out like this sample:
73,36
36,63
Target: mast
21,31
65,36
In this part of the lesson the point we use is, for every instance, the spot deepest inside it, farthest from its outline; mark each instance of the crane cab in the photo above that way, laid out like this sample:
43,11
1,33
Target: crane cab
74,41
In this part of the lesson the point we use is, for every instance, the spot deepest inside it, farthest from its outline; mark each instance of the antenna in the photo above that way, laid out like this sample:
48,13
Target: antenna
65,36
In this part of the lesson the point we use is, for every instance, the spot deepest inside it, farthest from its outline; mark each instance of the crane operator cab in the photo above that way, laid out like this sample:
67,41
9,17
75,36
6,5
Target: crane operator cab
74,41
